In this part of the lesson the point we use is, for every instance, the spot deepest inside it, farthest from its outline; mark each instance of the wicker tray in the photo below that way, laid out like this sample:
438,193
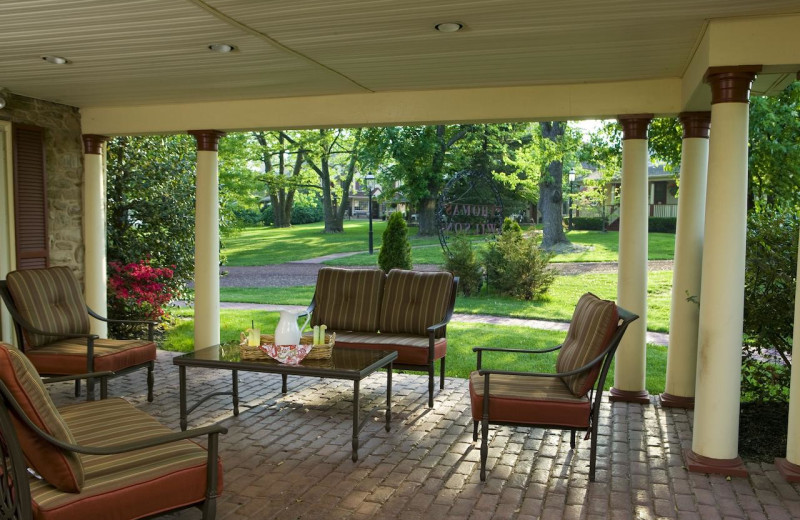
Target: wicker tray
323,351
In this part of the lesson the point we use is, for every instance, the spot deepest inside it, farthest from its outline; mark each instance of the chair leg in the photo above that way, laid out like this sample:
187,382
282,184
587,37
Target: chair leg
474,431
592,453
430,385
150,380
484,445
209,508
441,374
572,439
77,388
90,389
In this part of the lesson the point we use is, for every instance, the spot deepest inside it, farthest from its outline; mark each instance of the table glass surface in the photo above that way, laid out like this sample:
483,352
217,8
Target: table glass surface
342,359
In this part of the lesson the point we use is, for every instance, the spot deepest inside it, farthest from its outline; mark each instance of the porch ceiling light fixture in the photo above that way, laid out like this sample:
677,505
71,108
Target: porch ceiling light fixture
449,27
221,47
55,60
3,97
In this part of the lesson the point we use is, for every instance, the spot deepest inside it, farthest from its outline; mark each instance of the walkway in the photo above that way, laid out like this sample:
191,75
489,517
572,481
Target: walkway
288,457
657,338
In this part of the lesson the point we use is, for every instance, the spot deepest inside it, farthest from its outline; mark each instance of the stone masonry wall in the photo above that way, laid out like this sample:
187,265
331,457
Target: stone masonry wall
64,165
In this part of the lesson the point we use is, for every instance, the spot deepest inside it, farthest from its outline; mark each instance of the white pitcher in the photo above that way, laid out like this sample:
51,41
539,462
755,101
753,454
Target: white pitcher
287,332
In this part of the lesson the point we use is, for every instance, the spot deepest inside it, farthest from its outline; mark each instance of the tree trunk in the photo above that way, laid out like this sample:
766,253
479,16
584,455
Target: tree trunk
426,217
550,196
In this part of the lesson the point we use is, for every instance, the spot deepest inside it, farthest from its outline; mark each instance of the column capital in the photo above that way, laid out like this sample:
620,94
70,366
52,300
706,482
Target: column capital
695,124
634,126
731,84
93,143
207,140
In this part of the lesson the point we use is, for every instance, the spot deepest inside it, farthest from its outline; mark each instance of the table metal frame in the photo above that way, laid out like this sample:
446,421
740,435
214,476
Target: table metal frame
272,367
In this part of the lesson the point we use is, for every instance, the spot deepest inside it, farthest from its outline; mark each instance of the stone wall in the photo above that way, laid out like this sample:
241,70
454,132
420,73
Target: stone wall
64,165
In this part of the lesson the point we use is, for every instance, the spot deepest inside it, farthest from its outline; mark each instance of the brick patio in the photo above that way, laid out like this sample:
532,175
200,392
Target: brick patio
288,457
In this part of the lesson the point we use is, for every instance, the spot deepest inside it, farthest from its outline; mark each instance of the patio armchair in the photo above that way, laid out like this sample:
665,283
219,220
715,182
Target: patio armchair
98,459
570,397
51,320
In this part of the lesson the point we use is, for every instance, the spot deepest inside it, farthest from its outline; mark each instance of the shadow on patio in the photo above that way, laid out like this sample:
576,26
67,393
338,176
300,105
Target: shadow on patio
289,456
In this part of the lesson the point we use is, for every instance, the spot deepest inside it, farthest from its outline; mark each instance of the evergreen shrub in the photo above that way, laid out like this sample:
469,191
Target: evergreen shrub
396,250
662,224
463,262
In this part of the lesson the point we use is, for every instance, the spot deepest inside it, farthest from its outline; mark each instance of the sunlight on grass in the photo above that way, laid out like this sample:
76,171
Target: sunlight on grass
557,305
461,338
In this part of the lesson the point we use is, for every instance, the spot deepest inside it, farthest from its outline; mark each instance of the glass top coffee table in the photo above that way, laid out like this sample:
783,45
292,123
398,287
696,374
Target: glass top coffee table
345,363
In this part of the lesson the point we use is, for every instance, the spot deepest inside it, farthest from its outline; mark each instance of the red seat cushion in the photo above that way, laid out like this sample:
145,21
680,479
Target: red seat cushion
529,400
68,356
411,350
126,485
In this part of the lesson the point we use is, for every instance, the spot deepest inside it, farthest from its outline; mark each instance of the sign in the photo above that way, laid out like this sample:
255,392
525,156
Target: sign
470,204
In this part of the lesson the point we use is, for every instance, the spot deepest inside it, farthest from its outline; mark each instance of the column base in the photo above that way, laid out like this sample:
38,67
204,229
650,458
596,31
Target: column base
789,471
728,467
676,401
629,396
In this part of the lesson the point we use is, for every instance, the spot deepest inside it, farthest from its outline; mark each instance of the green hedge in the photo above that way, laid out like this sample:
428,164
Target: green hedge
585,223
662,224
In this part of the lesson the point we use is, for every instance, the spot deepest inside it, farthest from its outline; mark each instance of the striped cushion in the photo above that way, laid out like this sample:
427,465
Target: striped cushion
68,356
413,301
593,324
61,468
49,299
348,299
411,350
528,400
125,485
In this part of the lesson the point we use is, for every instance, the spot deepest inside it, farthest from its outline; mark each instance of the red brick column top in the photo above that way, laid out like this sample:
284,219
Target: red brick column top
634,126
695,124
93,143
207,140
731,84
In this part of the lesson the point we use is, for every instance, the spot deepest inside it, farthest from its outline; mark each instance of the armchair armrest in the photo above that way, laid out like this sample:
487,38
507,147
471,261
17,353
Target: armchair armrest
311,307
576,371
73,377
150,323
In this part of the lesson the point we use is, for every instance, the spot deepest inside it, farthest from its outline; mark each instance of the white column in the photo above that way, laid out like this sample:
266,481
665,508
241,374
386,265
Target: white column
684,314
790,466
7,242
630,367
206,249
94,230
719,364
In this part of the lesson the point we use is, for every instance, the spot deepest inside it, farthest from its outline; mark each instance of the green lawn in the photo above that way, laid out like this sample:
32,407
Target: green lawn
265,246
603,247
461,338
557,306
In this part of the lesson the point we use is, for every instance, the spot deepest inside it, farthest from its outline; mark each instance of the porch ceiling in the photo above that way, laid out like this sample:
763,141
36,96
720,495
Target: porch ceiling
147,52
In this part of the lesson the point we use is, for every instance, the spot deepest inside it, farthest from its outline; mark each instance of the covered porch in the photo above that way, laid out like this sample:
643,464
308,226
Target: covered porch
78,79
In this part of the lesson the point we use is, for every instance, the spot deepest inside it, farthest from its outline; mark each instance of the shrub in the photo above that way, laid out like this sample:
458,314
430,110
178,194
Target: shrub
139,291
302,213
462,262
587,223
516,265
396,250
770,272
662,224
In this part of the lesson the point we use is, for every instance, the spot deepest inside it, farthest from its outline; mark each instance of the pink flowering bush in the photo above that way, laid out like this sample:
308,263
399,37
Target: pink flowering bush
139,291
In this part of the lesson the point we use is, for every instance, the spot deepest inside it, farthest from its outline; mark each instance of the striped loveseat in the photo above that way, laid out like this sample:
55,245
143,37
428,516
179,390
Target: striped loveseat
404,311
97,459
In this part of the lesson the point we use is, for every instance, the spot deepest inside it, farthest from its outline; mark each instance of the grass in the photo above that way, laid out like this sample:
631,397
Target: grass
602,247
558,305
461,338
266,246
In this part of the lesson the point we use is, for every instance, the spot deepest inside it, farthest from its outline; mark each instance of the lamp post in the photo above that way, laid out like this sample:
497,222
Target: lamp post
571,185
370,187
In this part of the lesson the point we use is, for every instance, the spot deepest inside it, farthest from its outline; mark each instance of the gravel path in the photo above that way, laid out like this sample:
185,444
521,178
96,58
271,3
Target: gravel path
305,272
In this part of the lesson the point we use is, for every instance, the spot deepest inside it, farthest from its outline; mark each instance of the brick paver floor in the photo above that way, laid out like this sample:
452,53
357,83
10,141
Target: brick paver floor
288,457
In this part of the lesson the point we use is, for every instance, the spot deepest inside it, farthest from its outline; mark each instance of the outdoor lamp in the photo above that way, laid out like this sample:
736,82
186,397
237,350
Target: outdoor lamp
571,181
370,188
571,177
3,98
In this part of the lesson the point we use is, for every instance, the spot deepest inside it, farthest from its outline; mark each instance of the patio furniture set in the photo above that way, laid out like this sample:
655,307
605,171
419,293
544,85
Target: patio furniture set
109,459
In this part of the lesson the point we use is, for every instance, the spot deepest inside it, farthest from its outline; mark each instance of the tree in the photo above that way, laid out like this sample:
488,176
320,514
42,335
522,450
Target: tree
395,248
550,188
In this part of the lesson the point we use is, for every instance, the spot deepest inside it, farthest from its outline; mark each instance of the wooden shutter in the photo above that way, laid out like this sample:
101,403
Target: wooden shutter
30,198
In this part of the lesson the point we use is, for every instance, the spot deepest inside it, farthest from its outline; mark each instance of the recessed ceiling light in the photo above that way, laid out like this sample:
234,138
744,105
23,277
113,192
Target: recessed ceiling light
449,27
221,47
55,60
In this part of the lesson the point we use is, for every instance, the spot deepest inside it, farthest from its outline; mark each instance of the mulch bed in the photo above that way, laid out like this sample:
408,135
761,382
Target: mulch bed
762,431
